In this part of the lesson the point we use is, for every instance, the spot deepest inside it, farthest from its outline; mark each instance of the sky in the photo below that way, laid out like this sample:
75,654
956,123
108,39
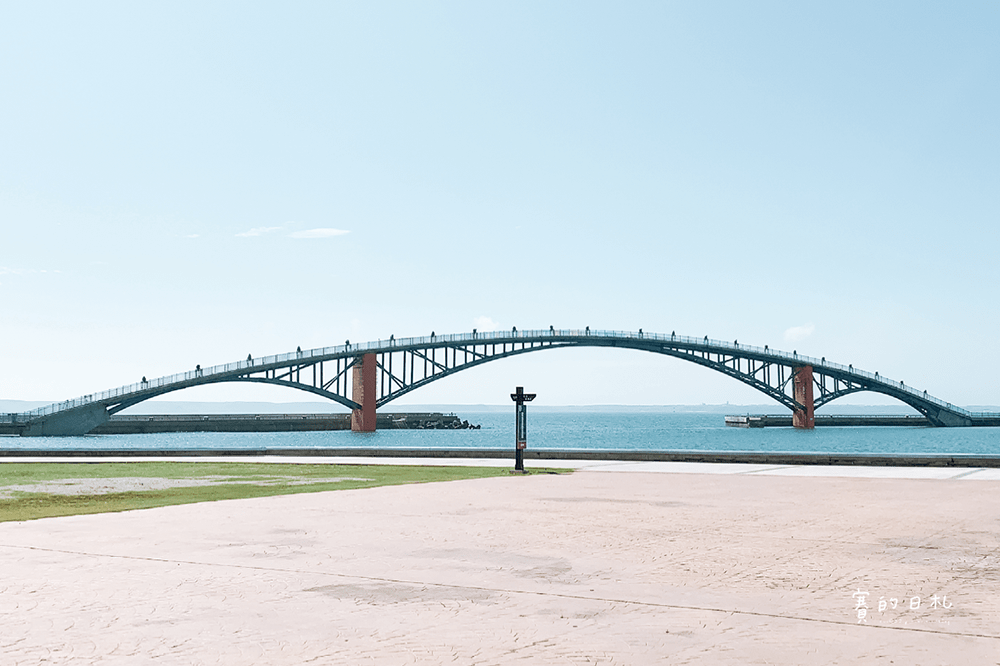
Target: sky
185,183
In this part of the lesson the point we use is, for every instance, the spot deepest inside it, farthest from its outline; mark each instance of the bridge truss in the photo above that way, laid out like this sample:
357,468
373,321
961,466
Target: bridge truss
365,377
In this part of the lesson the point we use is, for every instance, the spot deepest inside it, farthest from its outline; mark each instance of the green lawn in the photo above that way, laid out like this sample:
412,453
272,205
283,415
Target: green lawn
41,490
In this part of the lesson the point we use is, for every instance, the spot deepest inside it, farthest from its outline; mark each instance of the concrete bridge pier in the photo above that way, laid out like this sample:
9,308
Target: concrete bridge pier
364,393
803,387
70,423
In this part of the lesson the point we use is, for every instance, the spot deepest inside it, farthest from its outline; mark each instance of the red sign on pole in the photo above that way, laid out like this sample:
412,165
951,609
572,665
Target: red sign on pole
522,426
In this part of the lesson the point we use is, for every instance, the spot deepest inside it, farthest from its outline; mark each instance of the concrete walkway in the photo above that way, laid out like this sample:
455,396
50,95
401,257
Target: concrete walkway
631,563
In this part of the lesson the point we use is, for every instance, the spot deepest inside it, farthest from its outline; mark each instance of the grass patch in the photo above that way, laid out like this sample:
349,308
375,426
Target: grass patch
42,490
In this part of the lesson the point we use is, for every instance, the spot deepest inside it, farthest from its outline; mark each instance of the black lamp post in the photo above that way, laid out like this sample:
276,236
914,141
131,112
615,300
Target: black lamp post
521,427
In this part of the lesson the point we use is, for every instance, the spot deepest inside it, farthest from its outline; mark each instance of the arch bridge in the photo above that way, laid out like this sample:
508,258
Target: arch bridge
367,376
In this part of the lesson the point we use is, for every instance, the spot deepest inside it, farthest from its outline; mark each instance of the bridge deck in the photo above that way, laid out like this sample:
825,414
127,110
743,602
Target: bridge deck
383,370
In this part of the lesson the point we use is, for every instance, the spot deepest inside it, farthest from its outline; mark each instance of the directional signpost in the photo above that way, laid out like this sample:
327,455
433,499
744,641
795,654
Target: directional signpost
521,427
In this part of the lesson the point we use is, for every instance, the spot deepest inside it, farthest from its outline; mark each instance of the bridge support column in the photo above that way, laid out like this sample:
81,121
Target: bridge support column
364,393
803,387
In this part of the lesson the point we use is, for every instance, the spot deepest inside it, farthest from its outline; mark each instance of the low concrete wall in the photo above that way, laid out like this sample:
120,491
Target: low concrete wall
756,458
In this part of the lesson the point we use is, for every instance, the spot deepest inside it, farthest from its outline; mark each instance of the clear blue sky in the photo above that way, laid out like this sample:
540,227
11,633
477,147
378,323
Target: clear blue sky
175,179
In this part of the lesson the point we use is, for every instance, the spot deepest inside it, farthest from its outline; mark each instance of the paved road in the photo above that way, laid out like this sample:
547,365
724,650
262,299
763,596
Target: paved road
718,565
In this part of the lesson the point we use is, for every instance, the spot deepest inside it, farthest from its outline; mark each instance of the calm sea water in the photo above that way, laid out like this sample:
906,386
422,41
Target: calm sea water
573,430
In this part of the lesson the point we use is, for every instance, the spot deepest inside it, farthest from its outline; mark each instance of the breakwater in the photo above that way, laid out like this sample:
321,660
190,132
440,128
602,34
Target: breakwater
782,421
127,425
162,423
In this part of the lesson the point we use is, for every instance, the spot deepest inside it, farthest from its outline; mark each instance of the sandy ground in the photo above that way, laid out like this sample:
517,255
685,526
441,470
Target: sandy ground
124,484
589,568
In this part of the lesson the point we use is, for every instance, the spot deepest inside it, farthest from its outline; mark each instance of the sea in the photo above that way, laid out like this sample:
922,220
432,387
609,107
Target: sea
626,430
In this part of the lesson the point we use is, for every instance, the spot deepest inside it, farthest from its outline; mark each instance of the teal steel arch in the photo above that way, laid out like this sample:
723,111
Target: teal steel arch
407,364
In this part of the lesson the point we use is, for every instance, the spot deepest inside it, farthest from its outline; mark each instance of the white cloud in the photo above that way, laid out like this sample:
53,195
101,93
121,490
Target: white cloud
258,231
796,333
196,235
485,324
319,233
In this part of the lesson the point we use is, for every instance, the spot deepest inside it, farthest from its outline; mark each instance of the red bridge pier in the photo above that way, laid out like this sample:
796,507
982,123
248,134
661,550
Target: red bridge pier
803,388
364,393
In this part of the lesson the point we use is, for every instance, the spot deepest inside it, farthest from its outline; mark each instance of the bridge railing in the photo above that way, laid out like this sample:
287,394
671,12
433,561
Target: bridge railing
346,350
541,335
794,358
